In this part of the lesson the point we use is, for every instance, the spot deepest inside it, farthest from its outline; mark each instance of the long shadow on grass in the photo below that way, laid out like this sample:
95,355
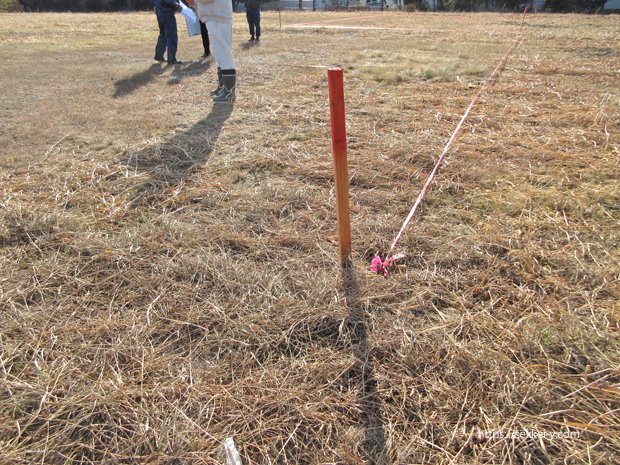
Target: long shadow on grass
196,68
374,436
131,84
171,162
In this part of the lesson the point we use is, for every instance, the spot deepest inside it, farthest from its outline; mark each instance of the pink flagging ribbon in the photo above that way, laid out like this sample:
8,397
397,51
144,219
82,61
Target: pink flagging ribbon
381,266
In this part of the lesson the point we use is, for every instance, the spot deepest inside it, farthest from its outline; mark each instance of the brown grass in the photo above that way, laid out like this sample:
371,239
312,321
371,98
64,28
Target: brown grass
170,273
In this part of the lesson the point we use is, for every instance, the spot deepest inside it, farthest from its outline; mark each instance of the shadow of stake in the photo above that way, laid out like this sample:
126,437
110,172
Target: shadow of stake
374,444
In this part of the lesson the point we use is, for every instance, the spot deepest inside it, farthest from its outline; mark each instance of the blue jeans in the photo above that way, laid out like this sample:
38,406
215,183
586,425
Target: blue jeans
253,15
168,38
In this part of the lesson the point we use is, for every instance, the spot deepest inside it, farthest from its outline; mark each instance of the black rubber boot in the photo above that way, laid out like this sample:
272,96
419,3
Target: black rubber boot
229,83
219,82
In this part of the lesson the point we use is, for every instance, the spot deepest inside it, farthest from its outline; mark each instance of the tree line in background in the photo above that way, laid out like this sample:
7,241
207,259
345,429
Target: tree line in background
585,6
86,5
558,6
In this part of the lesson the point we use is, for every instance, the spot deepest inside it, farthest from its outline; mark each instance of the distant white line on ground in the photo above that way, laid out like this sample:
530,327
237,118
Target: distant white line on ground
374,28
351,18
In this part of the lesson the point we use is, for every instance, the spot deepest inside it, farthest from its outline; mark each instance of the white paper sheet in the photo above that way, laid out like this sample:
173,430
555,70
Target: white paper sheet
188,12
193,27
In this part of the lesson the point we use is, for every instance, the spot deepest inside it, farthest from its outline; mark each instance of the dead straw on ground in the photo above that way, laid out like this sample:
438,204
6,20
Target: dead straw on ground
170,274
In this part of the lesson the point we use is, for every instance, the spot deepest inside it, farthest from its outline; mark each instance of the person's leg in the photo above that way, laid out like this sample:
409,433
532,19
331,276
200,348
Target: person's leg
205,38
172,38
257,22
229,86
160,47
248,15
220,35
220,83
221,40
215,39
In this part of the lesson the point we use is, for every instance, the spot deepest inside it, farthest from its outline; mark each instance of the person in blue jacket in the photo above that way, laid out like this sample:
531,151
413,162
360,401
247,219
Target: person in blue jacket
168,37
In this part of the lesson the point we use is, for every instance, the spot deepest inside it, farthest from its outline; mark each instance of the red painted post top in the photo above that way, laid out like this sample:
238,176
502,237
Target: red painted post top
336,104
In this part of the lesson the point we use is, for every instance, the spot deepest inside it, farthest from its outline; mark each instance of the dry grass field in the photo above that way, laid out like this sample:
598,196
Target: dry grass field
170,274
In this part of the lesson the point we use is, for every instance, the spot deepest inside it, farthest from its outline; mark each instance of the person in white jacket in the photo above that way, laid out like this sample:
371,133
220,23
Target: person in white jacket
218,17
